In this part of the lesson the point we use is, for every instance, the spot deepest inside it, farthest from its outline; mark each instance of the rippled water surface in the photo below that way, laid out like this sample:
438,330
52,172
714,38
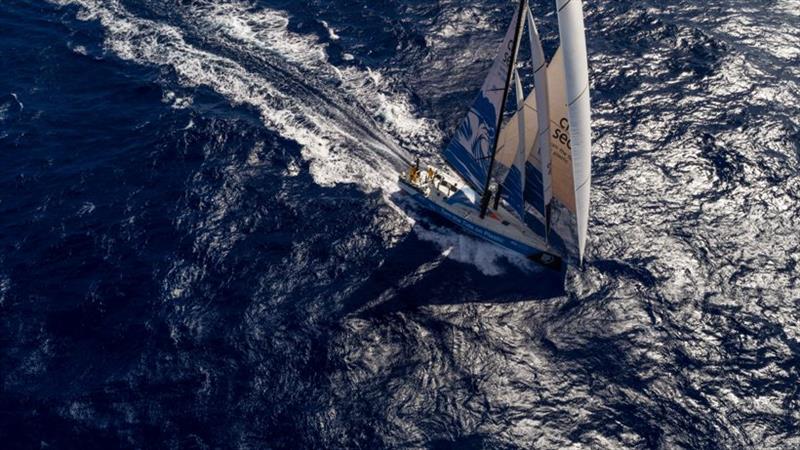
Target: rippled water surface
202,246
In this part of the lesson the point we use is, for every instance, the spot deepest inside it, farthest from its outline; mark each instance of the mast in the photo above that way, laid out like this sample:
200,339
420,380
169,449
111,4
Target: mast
512,59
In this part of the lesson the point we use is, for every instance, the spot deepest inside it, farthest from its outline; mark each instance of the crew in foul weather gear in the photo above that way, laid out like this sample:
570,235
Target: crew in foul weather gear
413,172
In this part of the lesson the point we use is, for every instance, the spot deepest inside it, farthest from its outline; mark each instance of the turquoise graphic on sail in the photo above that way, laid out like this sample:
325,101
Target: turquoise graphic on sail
469,152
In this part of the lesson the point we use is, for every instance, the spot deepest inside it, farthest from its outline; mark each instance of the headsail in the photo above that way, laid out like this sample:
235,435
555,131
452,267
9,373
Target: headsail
518,139
514,183
530,128
539,161
573,43
560,146
470,152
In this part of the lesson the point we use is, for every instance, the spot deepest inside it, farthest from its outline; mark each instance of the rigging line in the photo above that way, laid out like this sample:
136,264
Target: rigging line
579,96
564,5
588,179
512,58
582,185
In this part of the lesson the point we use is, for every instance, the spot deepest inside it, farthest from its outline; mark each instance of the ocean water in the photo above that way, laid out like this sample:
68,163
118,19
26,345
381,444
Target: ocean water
202,244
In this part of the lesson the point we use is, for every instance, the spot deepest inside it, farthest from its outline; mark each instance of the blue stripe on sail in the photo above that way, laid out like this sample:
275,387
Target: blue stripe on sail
468,151
512,191
534,188
486,111
534,224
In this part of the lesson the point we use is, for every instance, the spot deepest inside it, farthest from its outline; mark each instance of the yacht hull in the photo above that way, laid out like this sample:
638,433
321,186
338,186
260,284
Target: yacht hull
489,229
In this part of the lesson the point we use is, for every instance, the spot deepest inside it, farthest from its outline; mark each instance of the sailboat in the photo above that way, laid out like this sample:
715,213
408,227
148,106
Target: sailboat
519,173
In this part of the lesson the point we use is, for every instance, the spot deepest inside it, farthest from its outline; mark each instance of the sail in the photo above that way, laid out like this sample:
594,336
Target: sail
538,163
514,183
560,151
470,150
573,43
519,132
516,148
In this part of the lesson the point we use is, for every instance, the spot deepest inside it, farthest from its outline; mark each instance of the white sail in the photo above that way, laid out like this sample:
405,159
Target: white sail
542,103
514,144
512,132
560,152
516,198
522,145
573,43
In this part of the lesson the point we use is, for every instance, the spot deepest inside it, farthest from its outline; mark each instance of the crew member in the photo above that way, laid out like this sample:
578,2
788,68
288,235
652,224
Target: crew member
413,172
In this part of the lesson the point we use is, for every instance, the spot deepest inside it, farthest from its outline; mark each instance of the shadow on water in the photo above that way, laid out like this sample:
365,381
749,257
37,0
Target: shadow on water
416,273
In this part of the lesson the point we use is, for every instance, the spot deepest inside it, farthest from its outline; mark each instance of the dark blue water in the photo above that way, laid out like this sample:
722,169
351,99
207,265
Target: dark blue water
201,245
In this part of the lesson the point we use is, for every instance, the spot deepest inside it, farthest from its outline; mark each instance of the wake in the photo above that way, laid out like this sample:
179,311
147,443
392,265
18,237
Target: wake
349,122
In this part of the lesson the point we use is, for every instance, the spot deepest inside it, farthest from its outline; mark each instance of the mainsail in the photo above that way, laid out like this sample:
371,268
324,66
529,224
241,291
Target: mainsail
471,151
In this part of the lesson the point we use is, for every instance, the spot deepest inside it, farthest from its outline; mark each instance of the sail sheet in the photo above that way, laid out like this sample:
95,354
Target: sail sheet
470,150
573,43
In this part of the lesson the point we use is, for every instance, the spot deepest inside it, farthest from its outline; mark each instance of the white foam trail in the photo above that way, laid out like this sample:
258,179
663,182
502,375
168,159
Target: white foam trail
462,21
86,208
340,144
172,99
78,49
